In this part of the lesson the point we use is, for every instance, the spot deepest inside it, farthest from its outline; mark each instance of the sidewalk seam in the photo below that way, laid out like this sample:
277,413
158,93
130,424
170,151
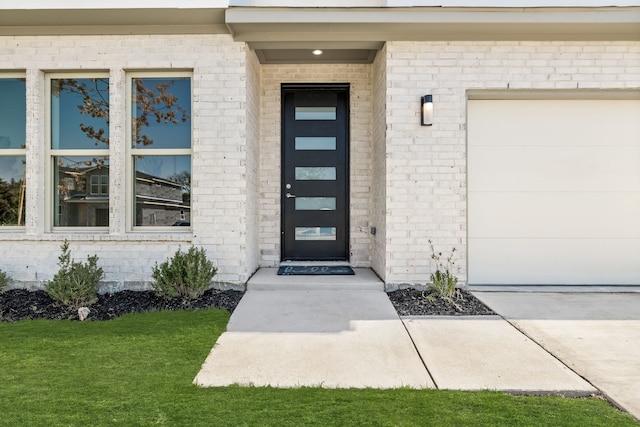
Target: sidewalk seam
600,392
554,356
415,347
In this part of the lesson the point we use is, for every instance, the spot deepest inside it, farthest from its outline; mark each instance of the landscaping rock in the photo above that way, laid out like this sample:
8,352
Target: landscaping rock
414,302
18,304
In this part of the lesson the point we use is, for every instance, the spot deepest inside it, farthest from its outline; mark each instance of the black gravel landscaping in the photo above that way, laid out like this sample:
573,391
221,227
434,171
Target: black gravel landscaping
414,302
19,304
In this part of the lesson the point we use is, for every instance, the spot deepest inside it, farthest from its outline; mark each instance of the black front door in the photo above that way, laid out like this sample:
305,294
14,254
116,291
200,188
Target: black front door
315,172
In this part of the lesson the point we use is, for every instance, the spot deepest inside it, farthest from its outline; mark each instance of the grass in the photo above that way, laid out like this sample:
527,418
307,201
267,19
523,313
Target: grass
137,371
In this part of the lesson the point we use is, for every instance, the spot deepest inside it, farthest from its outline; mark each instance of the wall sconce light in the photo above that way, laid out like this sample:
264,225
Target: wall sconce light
426,110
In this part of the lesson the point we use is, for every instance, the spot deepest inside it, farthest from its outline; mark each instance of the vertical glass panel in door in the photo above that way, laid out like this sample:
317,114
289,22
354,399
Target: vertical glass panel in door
315,173
315,143
316,204
315,233
315,113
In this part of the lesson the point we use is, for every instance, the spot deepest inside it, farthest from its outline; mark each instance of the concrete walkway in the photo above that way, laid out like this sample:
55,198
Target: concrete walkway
318,331
595,334
291,331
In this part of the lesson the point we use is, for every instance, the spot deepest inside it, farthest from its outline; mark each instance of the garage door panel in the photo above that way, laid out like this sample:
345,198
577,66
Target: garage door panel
557,214
530,122
554,192
555,261
554,168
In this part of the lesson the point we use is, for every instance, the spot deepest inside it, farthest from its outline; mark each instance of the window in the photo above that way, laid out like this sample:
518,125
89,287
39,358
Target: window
160,138
12,149
79,149
99,185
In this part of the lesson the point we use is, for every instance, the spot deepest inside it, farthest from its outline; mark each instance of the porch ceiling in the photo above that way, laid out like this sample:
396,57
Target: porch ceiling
289,34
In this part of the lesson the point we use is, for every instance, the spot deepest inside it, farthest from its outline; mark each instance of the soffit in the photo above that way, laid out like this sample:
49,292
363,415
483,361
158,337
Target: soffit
112,21
421,24
287,35
269,30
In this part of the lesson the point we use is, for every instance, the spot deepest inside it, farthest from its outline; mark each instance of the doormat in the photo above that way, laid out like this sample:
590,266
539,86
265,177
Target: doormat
315,270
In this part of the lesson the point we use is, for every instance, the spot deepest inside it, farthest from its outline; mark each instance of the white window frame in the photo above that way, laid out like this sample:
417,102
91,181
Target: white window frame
132,151
103,188
50,153
13,152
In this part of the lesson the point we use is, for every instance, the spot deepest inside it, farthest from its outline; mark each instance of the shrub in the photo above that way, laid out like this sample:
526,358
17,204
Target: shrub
443,280
4,281
75,284
187,274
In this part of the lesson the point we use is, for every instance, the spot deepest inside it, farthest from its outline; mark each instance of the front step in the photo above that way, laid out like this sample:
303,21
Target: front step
268,279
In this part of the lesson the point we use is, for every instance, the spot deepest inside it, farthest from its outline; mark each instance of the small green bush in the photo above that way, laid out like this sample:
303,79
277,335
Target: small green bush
4,281
75,284
186,275
443,280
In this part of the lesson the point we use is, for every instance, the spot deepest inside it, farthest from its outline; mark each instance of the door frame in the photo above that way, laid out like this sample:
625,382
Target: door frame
317,87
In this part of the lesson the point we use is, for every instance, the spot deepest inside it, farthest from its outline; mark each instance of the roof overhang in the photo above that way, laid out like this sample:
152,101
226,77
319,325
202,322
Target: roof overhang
420,24
345,34
103,21
289,34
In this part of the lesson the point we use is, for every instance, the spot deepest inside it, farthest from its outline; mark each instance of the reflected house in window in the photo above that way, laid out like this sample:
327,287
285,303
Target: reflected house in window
84,199
84,196
161,202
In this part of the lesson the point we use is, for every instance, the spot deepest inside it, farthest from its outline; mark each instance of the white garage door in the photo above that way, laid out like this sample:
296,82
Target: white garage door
554,191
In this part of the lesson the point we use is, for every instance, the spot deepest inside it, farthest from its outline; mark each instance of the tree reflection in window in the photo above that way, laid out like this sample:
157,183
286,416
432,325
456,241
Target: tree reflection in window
161,118
12,150
79,149
80,113
80,125
161,149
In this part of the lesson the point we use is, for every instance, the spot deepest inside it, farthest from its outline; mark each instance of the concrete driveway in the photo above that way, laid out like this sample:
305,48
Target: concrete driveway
595,334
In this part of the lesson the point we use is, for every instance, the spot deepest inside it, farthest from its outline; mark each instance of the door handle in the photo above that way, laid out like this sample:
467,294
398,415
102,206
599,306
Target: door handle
290,196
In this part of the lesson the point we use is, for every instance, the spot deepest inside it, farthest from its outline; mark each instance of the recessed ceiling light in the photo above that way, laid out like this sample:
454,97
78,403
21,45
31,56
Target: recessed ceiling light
317,52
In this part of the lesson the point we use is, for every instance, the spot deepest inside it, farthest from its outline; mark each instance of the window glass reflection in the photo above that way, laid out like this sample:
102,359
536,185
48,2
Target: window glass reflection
315,173
316,204
82,194
80,114
13,114
315,233
162,190
12,190
315,113
315,143
161,112
12,137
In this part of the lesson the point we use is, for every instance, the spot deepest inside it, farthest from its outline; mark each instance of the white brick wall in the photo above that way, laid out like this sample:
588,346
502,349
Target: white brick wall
222,165
407,181
361,95
253,161
426,166
379,163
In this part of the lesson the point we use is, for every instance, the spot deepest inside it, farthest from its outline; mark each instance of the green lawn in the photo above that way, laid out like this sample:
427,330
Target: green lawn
137,371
